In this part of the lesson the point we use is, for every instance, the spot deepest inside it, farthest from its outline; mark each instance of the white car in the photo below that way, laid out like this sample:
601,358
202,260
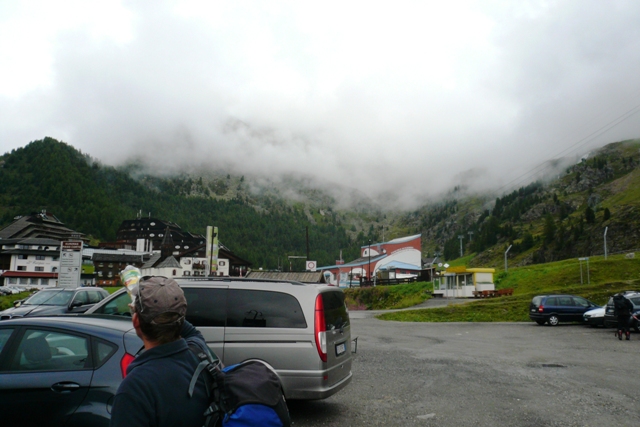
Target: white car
594,317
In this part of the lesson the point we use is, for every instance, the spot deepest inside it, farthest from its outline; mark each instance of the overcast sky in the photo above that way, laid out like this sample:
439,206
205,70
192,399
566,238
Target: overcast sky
397,96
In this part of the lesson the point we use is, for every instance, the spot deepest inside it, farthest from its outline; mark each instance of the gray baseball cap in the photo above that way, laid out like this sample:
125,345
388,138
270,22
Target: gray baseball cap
159,295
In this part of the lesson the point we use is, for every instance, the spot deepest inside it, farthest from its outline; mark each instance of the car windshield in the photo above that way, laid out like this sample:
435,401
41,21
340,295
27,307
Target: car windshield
54,297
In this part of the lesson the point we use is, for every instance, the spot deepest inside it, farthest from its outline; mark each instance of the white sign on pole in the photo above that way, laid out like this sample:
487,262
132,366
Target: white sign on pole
312,265
70,264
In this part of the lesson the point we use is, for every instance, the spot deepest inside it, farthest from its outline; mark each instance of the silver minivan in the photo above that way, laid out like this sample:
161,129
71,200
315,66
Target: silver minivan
302,330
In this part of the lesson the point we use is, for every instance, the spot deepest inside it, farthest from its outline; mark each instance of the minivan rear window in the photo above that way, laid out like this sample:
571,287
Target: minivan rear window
263,309
335,311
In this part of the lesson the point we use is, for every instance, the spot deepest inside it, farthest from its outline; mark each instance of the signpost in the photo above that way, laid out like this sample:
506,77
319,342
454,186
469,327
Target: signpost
212,250
70,264
588,278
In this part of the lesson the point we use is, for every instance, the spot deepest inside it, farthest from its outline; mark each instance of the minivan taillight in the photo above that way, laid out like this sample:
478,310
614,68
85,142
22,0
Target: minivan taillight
124,363
541,309
320,329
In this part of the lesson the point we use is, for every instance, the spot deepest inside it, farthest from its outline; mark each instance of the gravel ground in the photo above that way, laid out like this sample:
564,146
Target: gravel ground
482,374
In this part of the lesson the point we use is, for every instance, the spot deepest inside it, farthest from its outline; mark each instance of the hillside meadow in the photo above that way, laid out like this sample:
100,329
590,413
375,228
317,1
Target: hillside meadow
603,279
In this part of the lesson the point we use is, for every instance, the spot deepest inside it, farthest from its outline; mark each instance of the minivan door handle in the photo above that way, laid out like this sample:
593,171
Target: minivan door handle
65,387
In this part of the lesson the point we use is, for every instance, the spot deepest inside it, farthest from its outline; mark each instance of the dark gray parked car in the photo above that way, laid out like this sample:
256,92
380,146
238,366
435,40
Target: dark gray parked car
554,309
63,370
52,301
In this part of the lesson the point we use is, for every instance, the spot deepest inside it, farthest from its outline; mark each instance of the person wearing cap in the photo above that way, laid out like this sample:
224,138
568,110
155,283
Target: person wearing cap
154,391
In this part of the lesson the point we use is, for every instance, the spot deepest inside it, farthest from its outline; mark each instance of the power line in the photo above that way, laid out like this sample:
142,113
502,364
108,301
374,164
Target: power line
574,147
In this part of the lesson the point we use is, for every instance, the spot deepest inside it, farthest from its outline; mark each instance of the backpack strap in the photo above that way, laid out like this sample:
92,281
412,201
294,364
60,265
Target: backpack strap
214,382
194,379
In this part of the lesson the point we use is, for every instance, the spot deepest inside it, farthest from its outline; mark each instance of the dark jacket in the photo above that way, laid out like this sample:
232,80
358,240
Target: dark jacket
622,306
155,390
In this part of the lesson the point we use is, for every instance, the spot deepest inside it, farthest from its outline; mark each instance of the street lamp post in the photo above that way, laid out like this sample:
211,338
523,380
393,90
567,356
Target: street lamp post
505,258
369,268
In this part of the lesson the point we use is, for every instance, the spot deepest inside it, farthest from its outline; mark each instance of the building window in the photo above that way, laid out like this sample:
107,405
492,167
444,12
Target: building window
39,257
54,269
55,258
13,280
22,268
99,273
24,281
110,274
23,256
39,268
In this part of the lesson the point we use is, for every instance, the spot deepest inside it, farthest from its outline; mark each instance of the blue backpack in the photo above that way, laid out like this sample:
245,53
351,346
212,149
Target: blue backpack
248,394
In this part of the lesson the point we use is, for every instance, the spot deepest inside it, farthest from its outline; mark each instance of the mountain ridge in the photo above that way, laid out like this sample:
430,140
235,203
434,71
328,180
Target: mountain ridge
558,216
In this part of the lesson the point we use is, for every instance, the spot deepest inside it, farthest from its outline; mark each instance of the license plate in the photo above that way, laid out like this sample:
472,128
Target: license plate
340,349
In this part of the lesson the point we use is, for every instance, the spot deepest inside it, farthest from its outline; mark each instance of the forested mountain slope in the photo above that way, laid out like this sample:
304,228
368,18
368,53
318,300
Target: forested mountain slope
546,221
94,199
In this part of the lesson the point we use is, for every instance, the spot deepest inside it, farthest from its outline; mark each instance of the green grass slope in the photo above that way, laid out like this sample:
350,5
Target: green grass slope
605,278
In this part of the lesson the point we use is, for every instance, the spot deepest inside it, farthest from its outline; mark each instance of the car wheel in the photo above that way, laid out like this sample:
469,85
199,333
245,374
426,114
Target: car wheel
635,327
553,320
540,322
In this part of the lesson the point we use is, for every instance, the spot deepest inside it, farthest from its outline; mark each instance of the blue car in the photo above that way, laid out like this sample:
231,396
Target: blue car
63,370
553,309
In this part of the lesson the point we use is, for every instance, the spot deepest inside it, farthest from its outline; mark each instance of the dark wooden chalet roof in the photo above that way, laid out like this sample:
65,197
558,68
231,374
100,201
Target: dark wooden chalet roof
42,225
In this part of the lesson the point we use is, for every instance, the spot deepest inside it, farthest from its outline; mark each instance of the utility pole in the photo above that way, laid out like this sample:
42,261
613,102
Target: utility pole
460,237
470,233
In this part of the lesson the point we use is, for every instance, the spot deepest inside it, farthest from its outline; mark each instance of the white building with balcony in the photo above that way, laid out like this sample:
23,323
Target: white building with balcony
34,262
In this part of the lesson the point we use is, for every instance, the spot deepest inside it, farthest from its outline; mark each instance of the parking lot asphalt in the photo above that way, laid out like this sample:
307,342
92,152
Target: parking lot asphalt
483,374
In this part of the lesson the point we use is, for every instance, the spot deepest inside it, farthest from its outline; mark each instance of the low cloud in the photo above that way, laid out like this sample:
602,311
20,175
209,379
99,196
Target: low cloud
400,103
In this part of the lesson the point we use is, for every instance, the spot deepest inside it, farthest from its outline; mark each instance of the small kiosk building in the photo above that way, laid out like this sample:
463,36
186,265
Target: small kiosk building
462,282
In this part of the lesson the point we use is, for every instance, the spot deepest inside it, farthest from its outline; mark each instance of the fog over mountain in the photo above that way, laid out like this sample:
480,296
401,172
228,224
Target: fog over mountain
404,100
